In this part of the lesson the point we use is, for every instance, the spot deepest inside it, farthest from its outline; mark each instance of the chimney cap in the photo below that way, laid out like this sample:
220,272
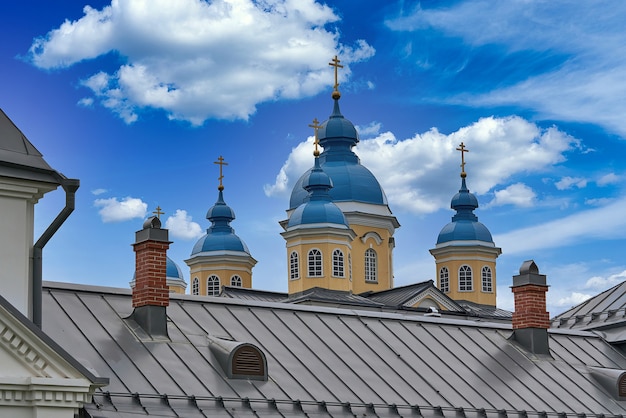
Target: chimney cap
529,274
529,267
152,231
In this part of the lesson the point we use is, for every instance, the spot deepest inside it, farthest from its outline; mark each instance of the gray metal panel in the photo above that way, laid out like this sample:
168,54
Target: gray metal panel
337,362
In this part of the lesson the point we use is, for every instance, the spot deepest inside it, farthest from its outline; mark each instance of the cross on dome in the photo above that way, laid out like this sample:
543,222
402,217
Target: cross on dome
316,125
463,151
221,163
335,63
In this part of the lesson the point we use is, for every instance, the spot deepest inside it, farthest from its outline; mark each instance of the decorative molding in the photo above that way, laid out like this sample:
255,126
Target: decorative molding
373,235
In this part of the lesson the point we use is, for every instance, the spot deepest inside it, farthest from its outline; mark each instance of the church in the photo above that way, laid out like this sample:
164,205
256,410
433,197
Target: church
339,237
342,342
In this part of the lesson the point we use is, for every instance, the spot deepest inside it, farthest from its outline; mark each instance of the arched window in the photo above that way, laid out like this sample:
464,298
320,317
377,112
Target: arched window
236,281
195,286
294,266
371,266
487,280
315,263
213,285
444,280
465,279
338,268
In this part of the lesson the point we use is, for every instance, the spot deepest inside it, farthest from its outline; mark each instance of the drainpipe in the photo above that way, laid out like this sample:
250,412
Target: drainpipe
70,186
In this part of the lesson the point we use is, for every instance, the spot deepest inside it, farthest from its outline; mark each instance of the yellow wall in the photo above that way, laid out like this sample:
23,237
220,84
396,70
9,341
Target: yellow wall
384,253
476,260
202,271
326,245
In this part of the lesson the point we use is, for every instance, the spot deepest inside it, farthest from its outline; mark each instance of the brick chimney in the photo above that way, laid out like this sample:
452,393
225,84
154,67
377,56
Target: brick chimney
151,293
530,319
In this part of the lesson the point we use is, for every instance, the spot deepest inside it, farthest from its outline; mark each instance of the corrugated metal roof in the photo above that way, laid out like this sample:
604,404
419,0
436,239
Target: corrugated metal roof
324,361
485,311
252,294
603,310
398,296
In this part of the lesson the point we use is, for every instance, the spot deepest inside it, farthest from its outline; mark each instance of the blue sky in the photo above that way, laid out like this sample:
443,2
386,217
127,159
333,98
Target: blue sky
137,99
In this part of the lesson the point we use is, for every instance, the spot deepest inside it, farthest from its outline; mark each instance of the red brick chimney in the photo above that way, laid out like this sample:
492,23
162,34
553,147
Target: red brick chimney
151,293
530,319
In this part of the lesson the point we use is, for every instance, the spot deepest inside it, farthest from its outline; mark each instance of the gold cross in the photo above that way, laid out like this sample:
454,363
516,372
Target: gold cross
158,212
221,163
316,125
463,151
335,63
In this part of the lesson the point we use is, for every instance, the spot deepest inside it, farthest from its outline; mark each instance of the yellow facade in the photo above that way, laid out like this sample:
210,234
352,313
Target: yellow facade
457,260
326,241
379,240
220,266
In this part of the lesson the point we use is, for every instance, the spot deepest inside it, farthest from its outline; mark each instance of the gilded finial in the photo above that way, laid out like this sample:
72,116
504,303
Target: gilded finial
335,63
316,125
221,163
158,212
463,151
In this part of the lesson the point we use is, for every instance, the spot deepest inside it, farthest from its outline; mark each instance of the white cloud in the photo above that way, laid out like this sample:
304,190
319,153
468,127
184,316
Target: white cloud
420,174
113,210
198,60
573,299
601,283
608,179
570,182
586,85
517,194
372,129
606,222
86,102
181,226
98,192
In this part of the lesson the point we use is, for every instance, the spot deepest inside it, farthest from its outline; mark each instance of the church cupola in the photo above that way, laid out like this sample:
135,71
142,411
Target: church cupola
465,253
358,194
318,236
220,257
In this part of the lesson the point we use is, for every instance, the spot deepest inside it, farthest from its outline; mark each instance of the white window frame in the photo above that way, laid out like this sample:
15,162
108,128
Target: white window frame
315,263
294,265
236,281
444,279
487,279
371,266
339,264
213,285
466,279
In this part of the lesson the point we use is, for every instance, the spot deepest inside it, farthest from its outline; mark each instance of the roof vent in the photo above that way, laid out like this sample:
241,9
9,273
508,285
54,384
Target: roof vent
612,380
239,360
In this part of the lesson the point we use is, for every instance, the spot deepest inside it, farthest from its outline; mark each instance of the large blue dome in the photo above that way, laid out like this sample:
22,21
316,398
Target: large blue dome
172,271
464,225
351,180
317,207
220,236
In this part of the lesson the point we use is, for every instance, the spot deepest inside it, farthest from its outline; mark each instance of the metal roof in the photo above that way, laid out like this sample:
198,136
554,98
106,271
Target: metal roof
603,310
398,296
18,156
322,361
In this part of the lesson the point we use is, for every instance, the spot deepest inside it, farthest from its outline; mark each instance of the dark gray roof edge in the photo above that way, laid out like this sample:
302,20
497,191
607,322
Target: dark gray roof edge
476,322
51,343
434,410
283,306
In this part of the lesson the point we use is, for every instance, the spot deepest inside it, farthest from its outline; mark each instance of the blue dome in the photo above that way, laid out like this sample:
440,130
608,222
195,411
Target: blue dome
351,181
464,225
317,207
172,270
220,235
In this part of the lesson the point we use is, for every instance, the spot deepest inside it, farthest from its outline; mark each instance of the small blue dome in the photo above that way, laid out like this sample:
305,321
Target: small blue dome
220,235
172,271
464,225
351,180
318,207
